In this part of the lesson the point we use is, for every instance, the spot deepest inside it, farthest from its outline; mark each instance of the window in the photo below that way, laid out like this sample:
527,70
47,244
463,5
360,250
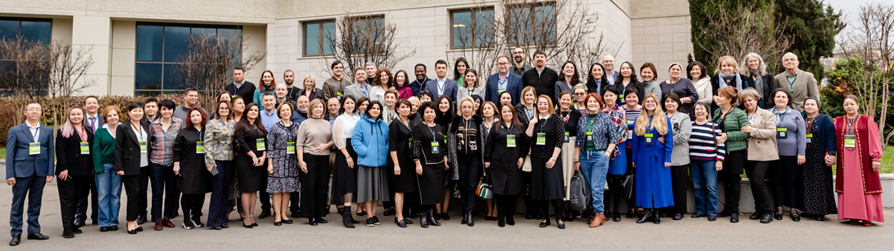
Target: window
161,47
318,36
472,28
367,30
534,24
30,29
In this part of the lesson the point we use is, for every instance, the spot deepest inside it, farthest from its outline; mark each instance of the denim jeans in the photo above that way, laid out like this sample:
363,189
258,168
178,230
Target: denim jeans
108,187
165,194
704,179
594,166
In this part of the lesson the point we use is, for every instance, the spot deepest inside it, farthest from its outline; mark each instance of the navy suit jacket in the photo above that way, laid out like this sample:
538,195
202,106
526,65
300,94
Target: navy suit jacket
99,121
449,88
20,164
514,86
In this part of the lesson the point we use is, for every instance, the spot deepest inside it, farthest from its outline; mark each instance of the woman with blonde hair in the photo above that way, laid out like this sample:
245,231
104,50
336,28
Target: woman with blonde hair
653,142
308,88
728,75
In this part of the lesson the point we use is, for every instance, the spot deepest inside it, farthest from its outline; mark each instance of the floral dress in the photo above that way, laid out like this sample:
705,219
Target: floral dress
618,164
284,178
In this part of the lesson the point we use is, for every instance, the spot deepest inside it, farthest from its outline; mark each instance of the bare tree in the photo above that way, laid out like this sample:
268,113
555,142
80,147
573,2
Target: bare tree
208,64
67,68
478,41
742,30
872,39
563,29
362,38
23,74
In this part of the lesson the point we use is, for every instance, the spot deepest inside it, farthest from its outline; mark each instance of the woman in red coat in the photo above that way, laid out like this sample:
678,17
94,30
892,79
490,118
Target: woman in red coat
859,159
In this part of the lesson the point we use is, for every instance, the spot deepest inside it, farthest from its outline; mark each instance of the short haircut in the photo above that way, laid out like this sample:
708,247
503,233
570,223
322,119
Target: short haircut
370,106
596,96
563,93
132,106
283,105
334,63
192,89
700,66
91,96
269,93
419,64
401,102
189,124
239,68
729,92
167,103
430,95
310,109
288,70
792,54
539,52
392,91
105,111
370,64
150,100
675,98
787,94
749,92
503,56
550,110
441,61
651,67
426,105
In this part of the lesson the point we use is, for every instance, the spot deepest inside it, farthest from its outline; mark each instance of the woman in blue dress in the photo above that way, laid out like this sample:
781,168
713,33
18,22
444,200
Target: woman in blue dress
653,143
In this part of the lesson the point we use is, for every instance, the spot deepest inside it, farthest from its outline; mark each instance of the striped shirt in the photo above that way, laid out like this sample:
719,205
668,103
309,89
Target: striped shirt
162,142
632,115
701,142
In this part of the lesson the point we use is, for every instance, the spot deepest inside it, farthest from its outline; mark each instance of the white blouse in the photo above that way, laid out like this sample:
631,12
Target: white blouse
344,128
376,93
142,136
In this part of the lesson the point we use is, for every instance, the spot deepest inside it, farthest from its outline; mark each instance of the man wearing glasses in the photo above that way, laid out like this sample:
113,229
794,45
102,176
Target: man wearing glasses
520,67
502,81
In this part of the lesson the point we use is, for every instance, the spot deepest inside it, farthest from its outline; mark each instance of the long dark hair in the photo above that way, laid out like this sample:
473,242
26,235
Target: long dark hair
633,78
243,126
456,74
575,77
591,82
370,106
445,117
515,121
406,79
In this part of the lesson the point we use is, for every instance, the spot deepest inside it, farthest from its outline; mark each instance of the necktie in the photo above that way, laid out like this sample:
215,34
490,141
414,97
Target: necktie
93,123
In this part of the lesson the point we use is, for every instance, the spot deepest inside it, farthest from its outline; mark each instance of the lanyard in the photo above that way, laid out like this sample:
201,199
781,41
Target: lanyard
433,135
791,82
140,131
503,82
201,137
851,123
543,123
810,125
35,133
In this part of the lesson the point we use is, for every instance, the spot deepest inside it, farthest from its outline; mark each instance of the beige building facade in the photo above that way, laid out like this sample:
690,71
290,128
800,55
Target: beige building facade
635,30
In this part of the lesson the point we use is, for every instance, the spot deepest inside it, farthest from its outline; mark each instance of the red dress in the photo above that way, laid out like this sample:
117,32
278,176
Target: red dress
858,186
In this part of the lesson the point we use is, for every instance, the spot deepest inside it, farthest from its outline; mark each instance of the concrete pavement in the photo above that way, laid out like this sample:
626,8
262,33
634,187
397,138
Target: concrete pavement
688,234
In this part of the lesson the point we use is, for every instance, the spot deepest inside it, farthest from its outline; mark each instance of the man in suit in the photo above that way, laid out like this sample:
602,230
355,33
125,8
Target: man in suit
609,63
419,84
94,121
520,67
801,84
442,86
29,166
240,87
542,78
502,81
359,88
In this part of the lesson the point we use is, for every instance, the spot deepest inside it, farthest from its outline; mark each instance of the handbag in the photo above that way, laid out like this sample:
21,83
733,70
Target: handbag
629,184
484,190
526,167
579,193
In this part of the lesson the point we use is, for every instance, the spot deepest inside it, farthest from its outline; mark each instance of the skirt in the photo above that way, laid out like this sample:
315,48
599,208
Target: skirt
567,165
430,190
406,181
546,184
251,178
618,166
344,178
372,183
817,185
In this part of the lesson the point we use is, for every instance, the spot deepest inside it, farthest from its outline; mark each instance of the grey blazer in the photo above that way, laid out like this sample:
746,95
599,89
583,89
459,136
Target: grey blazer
682,126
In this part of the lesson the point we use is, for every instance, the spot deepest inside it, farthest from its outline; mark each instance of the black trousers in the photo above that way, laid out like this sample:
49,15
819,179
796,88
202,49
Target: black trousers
81,213
505,205
757,175
784,181
135,187
731,175
294,199
69,192
531,207
192,204
680,182
469,175
314,185
614,194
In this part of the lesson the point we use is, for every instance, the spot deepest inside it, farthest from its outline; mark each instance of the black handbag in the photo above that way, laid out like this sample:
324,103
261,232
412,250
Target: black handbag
580,193
629,184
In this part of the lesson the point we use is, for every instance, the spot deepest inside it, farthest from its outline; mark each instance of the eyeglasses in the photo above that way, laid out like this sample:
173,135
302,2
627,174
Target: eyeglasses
502,63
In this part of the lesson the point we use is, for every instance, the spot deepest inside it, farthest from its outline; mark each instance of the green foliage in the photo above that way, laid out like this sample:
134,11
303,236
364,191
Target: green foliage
813,25
699,10
832,101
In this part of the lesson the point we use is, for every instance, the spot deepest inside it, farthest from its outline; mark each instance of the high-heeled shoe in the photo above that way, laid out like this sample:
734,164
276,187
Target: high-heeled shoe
647,216
423,219
431,219
246,225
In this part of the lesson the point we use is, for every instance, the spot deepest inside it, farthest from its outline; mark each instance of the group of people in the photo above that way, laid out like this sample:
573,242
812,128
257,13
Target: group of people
413,145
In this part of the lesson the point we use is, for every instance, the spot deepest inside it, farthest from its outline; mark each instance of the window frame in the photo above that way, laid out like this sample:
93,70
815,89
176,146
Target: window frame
533,18
44,89
320,35
163,62
474,15
367,18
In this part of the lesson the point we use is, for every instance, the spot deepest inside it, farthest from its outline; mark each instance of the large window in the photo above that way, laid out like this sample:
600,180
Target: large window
160,47
367,30
32,30
317,37
534,24
472,28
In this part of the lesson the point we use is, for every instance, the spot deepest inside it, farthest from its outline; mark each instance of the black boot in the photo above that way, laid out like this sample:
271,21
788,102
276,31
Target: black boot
470,222
656,219
347,219
465,218
647,216
431,218
423,218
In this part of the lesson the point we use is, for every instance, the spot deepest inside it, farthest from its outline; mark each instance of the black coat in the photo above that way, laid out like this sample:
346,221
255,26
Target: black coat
768,86
127,148
554,128
544,84
715,85
69,157
194,176
506,176
247,91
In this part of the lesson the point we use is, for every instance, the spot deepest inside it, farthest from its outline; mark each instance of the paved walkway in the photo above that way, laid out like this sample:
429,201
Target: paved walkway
688,234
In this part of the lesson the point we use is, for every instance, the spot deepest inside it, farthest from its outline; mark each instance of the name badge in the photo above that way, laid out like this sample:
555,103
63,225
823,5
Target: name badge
473,146
621,96
781,133
261,145
290,147
501,90
234,96
649,139
510,140
541,139
589,136
34,148
410,143
435,149
200,147
850,141
809,138
85,148
566,137
791,90
142,146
